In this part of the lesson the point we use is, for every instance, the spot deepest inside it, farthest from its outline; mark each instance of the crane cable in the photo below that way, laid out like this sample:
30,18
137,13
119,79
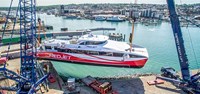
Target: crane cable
194,53
189,21
190,39
12,33
193,23
5,25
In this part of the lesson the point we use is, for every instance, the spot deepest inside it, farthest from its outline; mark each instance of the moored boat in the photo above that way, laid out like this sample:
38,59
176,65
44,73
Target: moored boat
70,16
115,18
94,49
100,18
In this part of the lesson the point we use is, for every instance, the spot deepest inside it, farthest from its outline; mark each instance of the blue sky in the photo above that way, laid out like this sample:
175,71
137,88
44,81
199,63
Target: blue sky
4,3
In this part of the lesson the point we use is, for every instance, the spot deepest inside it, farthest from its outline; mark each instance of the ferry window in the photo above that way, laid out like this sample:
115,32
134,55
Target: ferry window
79,51
109,54
92,43
74,51
85,52
82,52
134,56
118,54
106,53
68,51
82,43
93,53
102,53
47,47
60,50
55,48
88,43
41,48
97,43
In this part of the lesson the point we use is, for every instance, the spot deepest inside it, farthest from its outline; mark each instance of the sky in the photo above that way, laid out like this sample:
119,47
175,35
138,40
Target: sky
5,3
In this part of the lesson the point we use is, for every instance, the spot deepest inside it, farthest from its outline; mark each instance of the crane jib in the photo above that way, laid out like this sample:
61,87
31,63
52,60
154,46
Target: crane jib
179,41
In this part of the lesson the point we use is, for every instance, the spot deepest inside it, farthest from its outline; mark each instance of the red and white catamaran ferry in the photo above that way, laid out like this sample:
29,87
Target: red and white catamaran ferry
94,49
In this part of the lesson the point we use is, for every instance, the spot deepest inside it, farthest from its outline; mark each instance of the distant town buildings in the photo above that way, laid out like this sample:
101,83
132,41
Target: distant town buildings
128,10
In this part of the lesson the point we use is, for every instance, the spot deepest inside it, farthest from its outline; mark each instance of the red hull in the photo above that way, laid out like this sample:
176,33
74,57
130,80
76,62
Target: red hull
66,57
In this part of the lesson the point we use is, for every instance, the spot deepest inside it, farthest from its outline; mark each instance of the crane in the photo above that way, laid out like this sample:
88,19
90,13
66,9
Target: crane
187,83
29,78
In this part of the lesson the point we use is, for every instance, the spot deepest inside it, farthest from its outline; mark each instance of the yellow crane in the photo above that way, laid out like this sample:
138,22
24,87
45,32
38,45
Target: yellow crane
40,27
131,36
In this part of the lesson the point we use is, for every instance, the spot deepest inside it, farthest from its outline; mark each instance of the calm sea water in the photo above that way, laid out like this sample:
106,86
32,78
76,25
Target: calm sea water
158,39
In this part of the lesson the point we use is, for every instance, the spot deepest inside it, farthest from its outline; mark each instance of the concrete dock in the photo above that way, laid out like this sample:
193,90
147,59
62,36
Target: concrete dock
133,85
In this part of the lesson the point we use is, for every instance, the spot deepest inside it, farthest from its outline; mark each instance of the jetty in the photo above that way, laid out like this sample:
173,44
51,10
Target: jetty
54,34
97,29
65,32
9,28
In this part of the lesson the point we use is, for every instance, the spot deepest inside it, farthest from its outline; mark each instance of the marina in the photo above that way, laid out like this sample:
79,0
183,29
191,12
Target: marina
150,33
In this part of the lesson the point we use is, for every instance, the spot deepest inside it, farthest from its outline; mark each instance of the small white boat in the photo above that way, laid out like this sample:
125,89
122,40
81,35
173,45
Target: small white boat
100,18
115,19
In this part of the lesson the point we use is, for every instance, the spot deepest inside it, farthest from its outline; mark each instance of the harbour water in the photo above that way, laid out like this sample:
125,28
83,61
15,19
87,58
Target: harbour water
158,39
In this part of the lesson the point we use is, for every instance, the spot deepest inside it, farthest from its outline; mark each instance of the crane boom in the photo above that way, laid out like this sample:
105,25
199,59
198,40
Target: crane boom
179,41
188,83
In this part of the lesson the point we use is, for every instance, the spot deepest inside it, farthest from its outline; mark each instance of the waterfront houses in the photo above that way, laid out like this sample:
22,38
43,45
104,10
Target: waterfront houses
128,11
